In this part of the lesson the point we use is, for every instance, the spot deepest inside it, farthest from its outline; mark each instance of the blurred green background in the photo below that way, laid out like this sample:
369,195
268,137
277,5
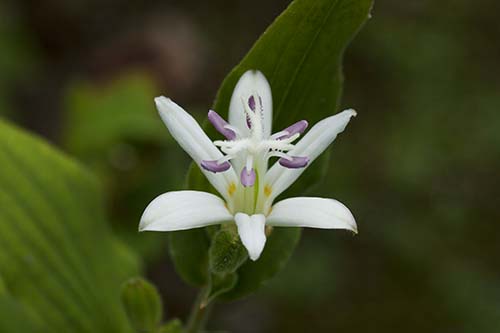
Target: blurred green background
419,166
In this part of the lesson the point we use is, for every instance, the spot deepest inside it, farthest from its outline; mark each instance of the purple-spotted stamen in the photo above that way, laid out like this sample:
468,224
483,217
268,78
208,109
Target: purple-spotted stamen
247,178
220,125
298,127
296,162
214,166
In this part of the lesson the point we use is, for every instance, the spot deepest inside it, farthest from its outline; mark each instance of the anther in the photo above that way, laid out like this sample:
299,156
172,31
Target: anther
215,166
221,125
295,162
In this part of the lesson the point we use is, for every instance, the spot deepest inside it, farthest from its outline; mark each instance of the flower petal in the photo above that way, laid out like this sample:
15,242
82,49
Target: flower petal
313,213
251,82
191,137
321,135
180,210
252,233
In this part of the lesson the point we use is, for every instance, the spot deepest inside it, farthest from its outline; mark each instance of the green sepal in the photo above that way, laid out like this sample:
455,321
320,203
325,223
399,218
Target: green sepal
226,253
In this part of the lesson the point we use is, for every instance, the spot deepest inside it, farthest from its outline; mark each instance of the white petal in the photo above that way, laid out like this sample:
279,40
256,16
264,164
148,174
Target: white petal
313,213
251,82
180,210
252,233
319,137
191,137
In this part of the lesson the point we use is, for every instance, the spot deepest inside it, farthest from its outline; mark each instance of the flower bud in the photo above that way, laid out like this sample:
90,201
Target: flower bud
142,304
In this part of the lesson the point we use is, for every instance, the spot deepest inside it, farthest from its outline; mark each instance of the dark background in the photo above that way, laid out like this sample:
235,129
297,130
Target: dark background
419,166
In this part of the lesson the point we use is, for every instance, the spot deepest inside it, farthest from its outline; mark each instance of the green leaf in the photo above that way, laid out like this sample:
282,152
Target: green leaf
301,56
57,255
189,252
19,318
142,304
3,288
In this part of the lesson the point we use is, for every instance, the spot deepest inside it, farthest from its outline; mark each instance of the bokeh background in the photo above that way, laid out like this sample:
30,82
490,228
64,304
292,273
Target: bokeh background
419,167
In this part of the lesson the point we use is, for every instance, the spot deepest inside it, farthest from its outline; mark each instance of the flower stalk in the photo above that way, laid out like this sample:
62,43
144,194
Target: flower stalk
199,313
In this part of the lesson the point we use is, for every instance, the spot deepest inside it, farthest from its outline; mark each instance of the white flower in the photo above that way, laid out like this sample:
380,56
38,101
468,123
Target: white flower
238,169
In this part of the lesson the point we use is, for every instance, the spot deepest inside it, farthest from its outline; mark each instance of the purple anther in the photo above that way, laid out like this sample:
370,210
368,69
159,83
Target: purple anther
214,166
296,162
298,127
247,178
220,125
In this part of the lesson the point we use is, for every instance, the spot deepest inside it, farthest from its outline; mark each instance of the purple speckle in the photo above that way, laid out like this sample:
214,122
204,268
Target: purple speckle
251,103
214,166
296,162
249,123
219,123
247,178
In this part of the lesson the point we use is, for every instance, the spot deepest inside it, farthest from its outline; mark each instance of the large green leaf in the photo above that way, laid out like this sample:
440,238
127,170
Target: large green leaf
301,55
58,258
19,317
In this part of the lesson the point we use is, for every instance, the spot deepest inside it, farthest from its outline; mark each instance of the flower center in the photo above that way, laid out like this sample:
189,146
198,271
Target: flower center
252,150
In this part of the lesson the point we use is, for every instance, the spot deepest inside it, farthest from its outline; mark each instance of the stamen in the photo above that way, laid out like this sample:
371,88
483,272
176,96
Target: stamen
232,147
221,125
279,154
215,166
224,158
278,135
299,127
234,129
296,162
247,177
283,145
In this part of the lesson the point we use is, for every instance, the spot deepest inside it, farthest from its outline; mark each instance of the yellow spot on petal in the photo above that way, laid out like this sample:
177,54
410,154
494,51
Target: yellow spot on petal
268,190
268,230
231,188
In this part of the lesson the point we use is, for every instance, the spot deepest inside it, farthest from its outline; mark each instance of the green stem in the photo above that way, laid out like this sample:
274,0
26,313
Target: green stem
199,313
